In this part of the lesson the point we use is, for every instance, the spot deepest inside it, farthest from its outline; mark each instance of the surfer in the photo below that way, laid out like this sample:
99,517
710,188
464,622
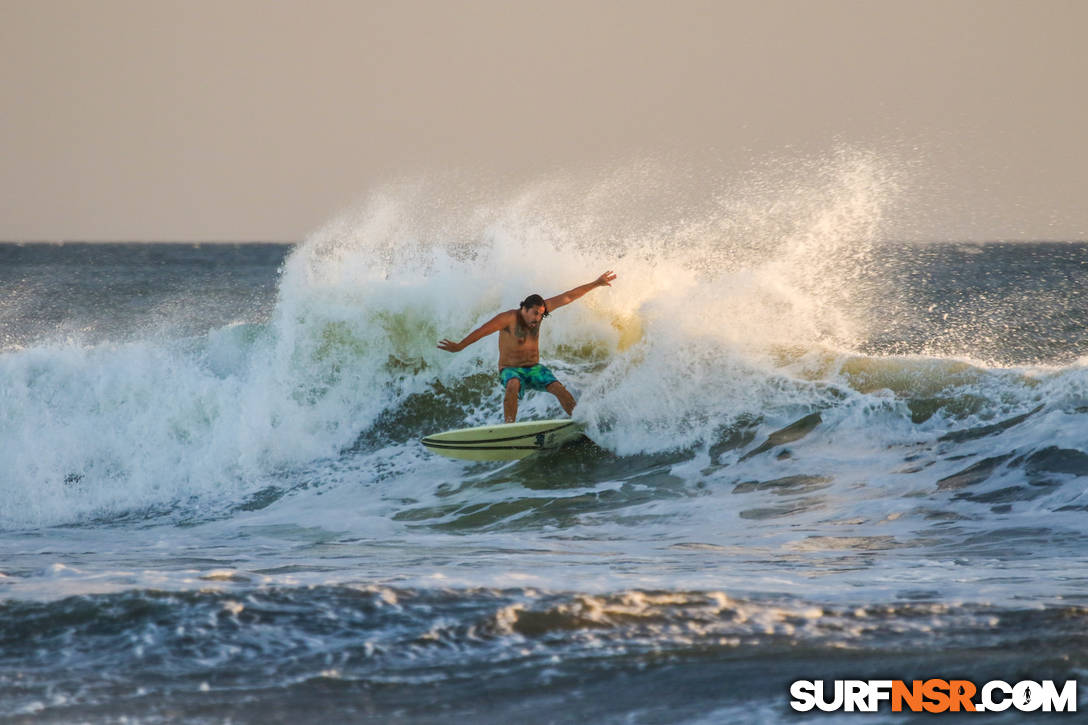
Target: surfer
519,346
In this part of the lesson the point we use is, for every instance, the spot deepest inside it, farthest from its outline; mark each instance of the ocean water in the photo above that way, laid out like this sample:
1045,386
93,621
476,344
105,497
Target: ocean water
811,453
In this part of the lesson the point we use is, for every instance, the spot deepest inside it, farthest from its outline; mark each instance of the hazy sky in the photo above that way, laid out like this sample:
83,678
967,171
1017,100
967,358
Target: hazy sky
258,120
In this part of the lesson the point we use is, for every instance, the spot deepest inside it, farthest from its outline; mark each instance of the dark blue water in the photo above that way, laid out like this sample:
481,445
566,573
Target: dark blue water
214,507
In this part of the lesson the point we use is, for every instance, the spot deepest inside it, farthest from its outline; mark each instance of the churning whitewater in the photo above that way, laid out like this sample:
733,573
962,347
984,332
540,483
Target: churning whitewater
810,452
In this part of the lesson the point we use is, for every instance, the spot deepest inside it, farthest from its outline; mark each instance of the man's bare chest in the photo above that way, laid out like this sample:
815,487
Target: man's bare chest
520,336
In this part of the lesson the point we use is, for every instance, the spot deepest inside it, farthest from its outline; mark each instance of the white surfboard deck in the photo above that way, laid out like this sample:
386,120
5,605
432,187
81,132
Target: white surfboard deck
504,442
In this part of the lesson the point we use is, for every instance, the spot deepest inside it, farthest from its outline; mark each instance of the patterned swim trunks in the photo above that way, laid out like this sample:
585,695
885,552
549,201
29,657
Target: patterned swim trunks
534,377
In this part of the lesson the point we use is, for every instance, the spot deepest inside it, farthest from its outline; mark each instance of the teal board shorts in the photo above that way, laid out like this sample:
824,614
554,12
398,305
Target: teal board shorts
534,377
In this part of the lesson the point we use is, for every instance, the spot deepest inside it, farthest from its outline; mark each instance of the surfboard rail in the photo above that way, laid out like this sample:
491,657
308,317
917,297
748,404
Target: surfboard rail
503,442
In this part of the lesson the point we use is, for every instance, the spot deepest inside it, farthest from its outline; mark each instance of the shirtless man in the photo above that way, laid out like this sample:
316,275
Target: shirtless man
519,346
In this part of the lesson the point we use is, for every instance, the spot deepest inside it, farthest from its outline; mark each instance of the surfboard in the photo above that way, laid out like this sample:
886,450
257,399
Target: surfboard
504,442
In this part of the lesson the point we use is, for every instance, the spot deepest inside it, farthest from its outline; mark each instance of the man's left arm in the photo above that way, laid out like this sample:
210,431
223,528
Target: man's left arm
605,280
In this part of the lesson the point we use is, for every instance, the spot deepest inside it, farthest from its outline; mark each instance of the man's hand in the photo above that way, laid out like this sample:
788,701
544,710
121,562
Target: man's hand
450,346
554,303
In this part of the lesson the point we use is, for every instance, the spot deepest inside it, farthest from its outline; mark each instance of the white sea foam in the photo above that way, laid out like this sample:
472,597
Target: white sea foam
744,306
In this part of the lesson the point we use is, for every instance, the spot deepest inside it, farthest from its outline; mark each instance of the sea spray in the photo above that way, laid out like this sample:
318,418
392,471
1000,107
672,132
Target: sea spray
707,290
719,297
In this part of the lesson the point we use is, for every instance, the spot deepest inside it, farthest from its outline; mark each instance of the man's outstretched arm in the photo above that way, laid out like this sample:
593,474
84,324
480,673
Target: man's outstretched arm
495,324
605,280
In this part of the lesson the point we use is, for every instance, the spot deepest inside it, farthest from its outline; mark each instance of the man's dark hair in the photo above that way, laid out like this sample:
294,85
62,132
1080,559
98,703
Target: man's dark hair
534,301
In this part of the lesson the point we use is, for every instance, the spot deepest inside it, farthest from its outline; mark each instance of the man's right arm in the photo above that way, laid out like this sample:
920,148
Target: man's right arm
495,324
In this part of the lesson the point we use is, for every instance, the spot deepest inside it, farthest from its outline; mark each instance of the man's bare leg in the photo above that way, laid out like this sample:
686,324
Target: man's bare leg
510,402
565,398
